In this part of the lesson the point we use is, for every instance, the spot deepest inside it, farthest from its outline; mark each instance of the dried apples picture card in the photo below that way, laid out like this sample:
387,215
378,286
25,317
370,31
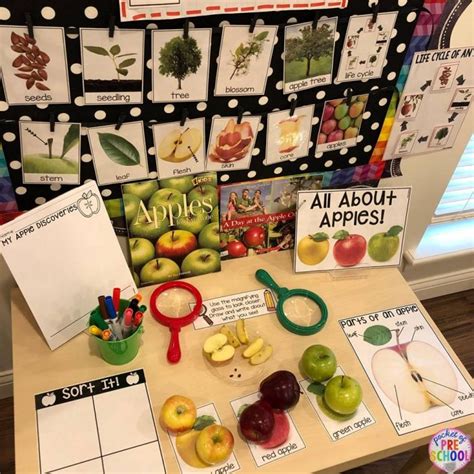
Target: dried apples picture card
180,65
50,156
112,68
244,59
34,70
119,155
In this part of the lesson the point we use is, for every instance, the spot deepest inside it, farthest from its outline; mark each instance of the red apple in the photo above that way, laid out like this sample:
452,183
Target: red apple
328,112
256,422
236,249
335,136
349,249
176,244
322,138
280,432
254,236
328,126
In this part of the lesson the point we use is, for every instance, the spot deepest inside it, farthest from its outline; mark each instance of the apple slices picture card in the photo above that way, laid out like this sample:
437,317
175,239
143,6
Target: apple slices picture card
415,378
65,249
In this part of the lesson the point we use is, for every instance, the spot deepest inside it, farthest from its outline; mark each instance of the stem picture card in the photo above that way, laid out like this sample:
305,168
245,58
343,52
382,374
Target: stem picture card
180,68
34,70
112,68
244,59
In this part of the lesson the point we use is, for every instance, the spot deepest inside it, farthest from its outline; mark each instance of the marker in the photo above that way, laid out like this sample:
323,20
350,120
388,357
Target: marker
102,308
107,335
116,298
138,297
142,308
137,319
110,307
96,320
114,326
95,331
134,304
127,322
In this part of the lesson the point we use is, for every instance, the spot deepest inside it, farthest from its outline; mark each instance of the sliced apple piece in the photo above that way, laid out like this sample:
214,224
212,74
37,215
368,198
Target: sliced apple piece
188,144
231,339
262,356
253,348
242,331
214,343
167,146
186,447
223,354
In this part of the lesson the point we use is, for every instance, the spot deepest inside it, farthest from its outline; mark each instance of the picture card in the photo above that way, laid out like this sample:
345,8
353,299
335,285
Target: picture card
309,55
406,140
180,70
231,143
179,150
409,367
350,228
440,136
119,155
244,59
79,253
34,70
112,68
445,76
50,156
411,105
462,98
288,135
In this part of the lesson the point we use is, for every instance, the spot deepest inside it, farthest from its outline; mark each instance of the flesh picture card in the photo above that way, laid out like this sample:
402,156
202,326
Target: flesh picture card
112,68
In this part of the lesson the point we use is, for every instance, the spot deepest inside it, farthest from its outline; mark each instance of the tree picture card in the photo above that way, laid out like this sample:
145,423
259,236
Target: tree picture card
34,70
244,59
112,68
119,155
181,65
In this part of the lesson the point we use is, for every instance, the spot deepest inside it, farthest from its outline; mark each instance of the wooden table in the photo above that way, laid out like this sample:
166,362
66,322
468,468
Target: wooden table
37,368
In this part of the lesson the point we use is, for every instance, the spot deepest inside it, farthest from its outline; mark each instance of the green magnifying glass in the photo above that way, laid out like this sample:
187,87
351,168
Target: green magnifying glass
299,311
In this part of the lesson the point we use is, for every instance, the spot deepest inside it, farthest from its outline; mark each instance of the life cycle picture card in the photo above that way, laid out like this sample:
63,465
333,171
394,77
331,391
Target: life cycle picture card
244,59
179,150
365,47
411,106
119,155
309,55
462,98
180,65
112,68
50,157
288,136
231,143
34,70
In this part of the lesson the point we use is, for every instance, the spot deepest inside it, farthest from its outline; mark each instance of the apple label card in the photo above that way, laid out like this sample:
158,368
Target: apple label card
34,70
112,68
50,156
261,455
337,426
184,446
231,143
180,71
179,150
86,414
417,382
348,228
288,136
119,155
244,60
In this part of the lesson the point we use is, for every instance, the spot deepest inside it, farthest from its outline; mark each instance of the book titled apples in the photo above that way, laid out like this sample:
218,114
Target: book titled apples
173,227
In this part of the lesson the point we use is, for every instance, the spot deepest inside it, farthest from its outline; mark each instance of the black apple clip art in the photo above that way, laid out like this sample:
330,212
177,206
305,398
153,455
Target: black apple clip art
88,204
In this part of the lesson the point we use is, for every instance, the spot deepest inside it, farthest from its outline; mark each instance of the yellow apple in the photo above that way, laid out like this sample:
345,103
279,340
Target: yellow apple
178,414
313,249
186,447
214,444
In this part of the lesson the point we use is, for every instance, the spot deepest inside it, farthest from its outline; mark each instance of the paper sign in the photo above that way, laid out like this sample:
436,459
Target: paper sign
417,382
338,229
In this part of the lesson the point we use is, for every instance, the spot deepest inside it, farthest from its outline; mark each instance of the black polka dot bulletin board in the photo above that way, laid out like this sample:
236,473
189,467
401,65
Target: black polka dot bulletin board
76,14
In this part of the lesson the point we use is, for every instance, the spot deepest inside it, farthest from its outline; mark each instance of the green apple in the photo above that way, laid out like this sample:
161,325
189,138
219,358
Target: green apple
200,262
205,194
113,207
176,244
343,394
194,222
141,251
183,184
150,226
318,363
136,279
166,197
215,214
209,237
383,246
41,163
131,204
143,190
208,178
328,412
159,270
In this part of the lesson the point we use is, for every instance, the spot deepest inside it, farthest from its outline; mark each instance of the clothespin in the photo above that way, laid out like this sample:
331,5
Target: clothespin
241,113
184,116
51,122
253,23
111,26
315,22
292,107
348,93
120,120
186,29
29,24
375,12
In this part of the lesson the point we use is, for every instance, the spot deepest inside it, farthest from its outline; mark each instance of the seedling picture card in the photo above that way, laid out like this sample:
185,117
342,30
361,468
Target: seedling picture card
66,243
34,70
112,68
416,380
180,65
244,59
50,156
347,228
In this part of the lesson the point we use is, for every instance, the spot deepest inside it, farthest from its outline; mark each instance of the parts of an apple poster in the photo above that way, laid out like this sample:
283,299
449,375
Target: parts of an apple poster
50,154
437,95
414,376
86,416
263,456
244,60
350,228
120,155
180,149
180,65
34,70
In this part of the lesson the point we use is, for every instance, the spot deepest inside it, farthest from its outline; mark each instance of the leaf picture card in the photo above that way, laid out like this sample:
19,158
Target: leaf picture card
288,136
119,155
309,55
180,71
34,70
244,59
50,157
231,143
112,68
179,150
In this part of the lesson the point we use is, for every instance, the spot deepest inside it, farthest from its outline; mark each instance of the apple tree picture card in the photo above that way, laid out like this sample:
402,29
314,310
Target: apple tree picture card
119,155
244,59
50,156
179,150
112,68
180,71
34,70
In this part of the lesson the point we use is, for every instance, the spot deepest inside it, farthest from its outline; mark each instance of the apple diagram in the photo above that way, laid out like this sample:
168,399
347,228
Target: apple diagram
232,143
88,204
178,145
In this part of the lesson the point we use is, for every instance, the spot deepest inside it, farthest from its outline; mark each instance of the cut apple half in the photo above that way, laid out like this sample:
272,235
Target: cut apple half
178,146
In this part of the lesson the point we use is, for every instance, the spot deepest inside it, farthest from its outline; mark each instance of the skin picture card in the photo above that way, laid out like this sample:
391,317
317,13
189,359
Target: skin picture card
65,249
